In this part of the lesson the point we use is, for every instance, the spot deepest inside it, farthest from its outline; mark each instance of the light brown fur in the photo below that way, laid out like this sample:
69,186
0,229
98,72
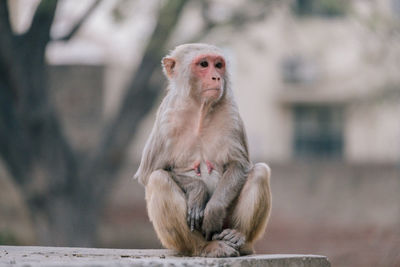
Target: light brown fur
227,198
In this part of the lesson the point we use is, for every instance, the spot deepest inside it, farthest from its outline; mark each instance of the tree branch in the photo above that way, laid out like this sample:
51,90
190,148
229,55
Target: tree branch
13,146
42,20
79,24
5,25
31,46
6,37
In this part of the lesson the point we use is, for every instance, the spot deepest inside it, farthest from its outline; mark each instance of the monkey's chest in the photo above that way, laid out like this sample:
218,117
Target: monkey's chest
202,171
200,157
188,146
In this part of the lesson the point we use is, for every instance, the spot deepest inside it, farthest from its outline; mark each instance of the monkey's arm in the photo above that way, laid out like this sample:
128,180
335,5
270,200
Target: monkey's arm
230,184
152,157
227,190
197,196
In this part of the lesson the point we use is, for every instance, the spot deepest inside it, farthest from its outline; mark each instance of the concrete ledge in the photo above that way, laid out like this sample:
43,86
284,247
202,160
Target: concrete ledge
60,256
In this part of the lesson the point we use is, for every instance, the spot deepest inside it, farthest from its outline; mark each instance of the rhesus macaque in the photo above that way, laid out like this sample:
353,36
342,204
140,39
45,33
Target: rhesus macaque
204,196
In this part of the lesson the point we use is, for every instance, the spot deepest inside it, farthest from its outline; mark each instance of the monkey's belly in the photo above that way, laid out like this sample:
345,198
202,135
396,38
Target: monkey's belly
210,179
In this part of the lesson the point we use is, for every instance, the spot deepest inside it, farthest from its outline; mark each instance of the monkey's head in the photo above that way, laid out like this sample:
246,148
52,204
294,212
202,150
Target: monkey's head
198,70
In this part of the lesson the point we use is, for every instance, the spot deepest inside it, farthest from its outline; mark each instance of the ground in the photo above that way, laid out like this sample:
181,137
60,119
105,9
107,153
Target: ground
50,256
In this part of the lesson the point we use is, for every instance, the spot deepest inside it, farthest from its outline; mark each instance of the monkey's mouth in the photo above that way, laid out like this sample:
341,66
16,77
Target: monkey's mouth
212,92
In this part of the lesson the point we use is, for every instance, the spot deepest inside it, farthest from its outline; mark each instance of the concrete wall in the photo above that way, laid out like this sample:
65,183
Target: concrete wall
373,131
337,194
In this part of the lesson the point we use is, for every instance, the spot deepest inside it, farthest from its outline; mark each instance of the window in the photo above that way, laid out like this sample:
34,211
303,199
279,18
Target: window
318,131
297,70
326,8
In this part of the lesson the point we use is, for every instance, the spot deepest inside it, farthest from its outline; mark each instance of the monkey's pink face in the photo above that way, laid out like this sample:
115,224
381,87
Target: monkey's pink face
209,70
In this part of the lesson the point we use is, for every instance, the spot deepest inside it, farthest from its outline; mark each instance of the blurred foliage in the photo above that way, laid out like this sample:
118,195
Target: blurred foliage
327,8
7,238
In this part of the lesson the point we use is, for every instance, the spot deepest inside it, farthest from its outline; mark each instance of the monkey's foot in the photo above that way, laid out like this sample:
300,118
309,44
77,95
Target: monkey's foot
246,249
232,237
219,249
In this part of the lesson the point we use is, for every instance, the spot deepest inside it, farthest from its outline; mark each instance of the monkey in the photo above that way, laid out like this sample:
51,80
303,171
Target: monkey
204,196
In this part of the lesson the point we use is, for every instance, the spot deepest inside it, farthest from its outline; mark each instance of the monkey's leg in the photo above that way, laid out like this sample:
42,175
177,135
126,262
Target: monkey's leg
250,215
166,206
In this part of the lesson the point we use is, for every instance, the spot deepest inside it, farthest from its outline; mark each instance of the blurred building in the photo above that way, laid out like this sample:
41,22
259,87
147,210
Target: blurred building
323,83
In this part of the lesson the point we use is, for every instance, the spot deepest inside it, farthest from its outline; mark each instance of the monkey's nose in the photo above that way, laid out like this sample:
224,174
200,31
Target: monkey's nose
216,78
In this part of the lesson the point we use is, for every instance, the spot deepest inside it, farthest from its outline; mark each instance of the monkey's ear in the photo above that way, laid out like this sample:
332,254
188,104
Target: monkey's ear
168,64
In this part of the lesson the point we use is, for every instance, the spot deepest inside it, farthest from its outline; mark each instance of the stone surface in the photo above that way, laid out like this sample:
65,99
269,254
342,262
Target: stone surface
60,256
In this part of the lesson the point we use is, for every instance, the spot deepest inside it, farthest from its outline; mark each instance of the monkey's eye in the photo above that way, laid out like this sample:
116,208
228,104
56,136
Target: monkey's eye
218,65
204,64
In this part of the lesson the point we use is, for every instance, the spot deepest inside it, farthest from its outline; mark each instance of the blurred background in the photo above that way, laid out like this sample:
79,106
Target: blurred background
318,87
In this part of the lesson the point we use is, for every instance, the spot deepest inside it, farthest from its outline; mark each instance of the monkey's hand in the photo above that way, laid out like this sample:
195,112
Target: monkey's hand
214,216
197,196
